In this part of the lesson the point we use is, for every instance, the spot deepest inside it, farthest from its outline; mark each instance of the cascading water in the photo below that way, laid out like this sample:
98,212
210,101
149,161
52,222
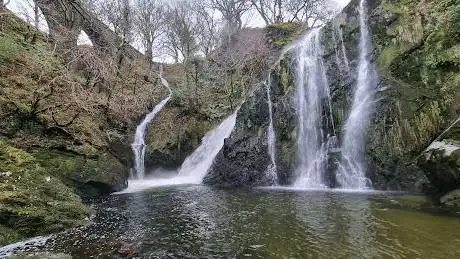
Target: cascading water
342,61
138,145
271,138
197,165
312,100
351,172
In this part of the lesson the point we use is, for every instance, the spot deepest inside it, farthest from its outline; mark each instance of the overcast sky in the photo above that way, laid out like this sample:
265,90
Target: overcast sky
24,9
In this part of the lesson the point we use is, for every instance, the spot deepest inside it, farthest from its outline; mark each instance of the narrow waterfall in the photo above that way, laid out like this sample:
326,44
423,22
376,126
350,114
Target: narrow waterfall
313,123
138,145
351,172
346,63
271,138
197,165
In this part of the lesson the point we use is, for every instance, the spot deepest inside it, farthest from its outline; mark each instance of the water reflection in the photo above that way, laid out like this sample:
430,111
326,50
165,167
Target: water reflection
201,222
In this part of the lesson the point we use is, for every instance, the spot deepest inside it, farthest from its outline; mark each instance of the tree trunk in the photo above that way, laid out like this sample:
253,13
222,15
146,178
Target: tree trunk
36,16
149,53
279,17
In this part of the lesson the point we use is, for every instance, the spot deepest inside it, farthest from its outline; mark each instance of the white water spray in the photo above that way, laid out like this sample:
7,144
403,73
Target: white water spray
312,97
352,170
197,165
138,145
271,138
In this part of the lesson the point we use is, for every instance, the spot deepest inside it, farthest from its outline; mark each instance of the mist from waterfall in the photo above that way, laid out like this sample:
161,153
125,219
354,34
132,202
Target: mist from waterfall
197,165
351,173
271,138
312,101
139,146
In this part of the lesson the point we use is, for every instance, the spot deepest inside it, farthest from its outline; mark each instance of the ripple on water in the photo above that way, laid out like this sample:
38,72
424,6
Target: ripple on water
202,222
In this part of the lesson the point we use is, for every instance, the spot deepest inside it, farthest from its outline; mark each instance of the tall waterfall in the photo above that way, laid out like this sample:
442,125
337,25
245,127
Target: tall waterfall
312,101
197,165
271,138
351,172
138,145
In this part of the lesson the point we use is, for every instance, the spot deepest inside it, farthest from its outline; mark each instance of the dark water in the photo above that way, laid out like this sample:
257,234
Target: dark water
200,222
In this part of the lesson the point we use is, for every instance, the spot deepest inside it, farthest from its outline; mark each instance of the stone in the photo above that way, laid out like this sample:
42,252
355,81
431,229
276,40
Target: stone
128,249
441,163
451,199
5,174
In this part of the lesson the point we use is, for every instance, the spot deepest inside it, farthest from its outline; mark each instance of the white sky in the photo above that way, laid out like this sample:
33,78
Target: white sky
23,8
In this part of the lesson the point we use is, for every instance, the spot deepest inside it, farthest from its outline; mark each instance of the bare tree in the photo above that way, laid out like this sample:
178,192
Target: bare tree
208,35
3,4
64,24
150,23
306,11
232,12
269,10
117,14
181,32
30,11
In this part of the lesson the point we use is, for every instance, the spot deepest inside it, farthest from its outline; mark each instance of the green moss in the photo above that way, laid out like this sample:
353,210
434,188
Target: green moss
418,57
284,33
9,235
76,169
32,201
9,47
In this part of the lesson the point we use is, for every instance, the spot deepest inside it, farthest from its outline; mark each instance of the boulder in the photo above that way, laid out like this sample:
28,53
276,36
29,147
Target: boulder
441,163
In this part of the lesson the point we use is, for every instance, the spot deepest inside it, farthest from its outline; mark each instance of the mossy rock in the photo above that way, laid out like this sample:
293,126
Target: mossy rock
33,201
451,199
441,163
91,175
282,34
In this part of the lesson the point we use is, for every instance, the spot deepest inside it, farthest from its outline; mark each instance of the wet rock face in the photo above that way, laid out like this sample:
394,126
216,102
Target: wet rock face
244,159
416,90
244,156
441,163
414,51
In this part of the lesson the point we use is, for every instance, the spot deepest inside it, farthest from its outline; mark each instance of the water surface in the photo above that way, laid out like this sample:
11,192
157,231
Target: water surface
201,222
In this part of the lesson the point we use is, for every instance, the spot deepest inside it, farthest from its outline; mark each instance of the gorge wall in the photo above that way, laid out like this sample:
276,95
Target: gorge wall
416,50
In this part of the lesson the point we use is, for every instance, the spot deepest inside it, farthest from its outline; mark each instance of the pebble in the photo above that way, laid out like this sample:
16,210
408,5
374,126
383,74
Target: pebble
5,174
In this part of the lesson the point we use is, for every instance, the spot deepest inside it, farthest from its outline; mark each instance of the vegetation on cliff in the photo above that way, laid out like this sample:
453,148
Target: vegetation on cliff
69,129
418,61
32,200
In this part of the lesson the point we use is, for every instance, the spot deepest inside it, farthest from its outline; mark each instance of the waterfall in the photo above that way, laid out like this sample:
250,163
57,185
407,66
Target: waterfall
345,63
271,138
351,172
312,96
197,165
138,145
